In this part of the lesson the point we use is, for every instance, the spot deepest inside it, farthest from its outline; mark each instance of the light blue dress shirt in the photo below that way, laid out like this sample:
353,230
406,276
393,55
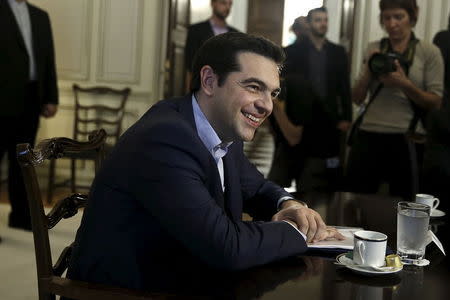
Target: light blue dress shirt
20,11
210,139
216,147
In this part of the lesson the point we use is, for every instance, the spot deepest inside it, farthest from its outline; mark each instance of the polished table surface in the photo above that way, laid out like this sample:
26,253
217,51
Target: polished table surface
315,276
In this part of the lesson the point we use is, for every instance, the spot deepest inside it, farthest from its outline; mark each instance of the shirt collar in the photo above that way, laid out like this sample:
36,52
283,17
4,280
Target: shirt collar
209,137
17,5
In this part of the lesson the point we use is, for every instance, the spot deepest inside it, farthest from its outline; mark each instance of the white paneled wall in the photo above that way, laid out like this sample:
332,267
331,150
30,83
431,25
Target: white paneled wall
115,43
107,42
120,40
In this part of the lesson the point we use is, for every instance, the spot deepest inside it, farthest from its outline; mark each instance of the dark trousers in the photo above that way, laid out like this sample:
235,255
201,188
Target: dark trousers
436,173
16,130
287,165
375,158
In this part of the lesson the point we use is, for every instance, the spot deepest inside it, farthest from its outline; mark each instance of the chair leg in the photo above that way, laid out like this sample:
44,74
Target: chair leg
72,175
51,181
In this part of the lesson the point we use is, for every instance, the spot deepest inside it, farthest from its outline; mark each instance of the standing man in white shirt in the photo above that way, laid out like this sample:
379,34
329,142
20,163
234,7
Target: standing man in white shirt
28,87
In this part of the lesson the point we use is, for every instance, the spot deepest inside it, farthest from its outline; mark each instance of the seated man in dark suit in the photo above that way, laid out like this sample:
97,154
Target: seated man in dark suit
171,194
198,33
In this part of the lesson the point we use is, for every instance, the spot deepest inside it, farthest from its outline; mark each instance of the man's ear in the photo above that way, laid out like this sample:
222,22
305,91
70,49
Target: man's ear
207,80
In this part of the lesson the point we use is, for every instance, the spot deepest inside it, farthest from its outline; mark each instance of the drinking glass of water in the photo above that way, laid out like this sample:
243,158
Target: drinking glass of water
412,229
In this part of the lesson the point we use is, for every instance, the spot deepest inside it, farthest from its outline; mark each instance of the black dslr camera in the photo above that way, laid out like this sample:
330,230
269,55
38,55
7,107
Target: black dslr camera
383,63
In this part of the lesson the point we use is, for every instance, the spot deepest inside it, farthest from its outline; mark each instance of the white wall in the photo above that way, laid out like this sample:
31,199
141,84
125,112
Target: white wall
115,43
201,10
334,8
105,42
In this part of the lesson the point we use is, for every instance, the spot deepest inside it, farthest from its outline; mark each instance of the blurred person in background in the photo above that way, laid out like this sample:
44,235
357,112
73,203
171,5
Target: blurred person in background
436,162
28,87
317,106
198,33
408,85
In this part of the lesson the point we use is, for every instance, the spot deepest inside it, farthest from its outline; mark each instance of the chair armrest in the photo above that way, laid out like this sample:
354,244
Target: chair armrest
66,208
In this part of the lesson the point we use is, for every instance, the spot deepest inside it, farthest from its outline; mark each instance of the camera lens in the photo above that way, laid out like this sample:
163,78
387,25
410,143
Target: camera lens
378,64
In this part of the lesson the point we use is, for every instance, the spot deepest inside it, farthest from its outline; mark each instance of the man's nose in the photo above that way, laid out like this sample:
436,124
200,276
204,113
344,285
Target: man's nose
265,103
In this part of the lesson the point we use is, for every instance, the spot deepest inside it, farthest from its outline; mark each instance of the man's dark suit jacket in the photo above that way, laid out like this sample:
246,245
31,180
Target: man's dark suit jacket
197,34
442,40
157,205
338,100
14,61
335,107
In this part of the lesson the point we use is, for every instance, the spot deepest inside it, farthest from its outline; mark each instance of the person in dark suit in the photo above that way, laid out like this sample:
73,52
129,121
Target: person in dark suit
436,161
28,89
324,66
171,194
198,33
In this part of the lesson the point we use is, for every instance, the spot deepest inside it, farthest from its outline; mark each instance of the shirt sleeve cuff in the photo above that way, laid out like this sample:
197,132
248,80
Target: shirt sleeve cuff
301,233
282,199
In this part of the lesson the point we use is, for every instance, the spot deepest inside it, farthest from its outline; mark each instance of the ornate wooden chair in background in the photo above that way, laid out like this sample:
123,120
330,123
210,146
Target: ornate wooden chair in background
95,107
50,280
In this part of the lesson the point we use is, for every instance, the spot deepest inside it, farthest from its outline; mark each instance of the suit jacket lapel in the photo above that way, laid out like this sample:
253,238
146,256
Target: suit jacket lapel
208,27
233,202
215,184
12,24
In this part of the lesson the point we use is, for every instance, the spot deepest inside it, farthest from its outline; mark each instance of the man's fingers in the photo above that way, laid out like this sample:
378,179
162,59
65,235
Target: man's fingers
302,222
276,217
321,232
337,235
312,228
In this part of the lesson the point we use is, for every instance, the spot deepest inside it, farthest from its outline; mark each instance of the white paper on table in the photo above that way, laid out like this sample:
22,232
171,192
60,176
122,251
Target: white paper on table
435,239
344,244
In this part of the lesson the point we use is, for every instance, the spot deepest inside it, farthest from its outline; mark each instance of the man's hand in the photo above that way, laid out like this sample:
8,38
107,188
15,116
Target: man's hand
307,221
343,126
49,110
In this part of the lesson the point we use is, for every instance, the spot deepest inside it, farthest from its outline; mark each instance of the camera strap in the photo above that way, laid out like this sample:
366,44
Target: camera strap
359,119
408,55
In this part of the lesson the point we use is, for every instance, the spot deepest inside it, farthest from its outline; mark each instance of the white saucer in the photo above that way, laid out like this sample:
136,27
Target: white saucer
437,213
345,260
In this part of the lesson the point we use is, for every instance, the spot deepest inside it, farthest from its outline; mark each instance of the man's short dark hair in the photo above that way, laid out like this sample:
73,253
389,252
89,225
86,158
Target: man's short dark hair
409,5
220,53
314,10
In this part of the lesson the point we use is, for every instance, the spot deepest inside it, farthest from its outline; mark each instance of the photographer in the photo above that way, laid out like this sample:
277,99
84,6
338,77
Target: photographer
403,77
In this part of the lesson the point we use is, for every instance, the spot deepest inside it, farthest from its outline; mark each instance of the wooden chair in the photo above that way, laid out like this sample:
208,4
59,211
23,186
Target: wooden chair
50,280
95,107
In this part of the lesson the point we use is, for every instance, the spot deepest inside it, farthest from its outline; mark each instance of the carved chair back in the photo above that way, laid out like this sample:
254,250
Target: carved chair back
50,280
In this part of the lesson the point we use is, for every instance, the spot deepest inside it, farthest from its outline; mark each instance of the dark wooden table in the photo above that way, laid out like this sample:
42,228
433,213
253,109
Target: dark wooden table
315,276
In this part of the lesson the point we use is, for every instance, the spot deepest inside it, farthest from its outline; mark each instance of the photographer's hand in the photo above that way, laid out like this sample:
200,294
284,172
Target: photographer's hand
359,91
396,79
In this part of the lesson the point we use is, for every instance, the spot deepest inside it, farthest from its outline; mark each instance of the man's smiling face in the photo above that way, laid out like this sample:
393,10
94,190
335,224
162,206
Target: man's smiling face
244,100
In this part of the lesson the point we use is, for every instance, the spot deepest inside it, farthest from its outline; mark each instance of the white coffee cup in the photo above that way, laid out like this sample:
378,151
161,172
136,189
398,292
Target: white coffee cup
429,200
369,248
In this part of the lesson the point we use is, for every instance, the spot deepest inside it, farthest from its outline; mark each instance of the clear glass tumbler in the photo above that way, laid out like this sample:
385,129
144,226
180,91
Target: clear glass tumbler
412,229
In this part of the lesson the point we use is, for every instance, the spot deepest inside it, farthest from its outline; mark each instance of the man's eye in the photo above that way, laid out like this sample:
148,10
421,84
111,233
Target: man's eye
253,88
275,93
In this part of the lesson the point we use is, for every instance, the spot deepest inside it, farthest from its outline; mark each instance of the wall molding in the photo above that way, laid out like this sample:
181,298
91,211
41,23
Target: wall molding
105,47
72,36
